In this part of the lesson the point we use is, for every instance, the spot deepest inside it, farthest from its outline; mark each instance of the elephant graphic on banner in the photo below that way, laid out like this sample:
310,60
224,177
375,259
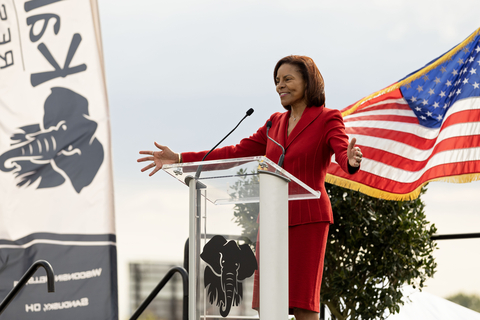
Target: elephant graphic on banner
228,264
63,147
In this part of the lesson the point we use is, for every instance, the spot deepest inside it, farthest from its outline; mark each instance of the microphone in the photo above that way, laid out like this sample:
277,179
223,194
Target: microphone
282,157
249,112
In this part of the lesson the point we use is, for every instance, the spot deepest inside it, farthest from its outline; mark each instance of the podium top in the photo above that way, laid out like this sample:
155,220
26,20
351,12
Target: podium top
231,181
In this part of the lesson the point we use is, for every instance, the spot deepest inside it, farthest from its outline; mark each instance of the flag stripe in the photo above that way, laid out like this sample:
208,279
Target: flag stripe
465,105
381,112
398,104
399,188
404,151
417,165
447,157
403,137
462,112
402,143
391,118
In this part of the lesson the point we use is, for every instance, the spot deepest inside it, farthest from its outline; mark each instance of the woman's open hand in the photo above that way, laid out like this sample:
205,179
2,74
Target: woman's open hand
354,154
159,158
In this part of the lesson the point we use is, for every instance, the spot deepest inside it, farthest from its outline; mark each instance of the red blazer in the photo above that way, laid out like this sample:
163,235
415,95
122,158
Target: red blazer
318,135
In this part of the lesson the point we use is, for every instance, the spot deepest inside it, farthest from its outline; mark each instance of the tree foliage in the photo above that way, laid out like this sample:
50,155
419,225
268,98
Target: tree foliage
470,301
374,247
246,214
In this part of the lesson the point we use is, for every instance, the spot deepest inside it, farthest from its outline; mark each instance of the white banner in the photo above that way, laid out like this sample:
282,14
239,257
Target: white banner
56,190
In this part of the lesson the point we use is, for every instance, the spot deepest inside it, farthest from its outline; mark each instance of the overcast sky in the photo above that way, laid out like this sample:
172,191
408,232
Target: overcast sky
183,73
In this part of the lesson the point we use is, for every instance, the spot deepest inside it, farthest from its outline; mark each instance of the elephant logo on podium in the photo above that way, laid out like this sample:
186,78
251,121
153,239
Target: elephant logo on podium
62,147
228,264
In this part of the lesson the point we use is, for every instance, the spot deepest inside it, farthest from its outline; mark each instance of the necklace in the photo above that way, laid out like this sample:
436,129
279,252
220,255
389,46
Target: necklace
294,118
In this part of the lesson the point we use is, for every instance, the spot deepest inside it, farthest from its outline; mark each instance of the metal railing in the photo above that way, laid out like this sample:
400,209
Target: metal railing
30,272
160,286
455,236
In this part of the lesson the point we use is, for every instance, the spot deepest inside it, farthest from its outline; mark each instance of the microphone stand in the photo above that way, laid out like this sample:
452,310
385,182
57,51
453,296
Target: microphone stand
282,157
199,169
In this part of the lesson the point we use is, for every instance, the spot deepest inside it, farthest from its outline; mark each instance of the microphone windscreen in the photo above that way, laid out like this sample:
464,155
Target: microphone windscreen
269,124
249,112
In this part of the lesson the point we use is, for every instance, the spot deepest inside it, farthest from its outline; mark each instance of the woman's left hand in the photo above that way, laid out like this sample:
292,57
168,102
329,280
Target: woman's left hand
354,154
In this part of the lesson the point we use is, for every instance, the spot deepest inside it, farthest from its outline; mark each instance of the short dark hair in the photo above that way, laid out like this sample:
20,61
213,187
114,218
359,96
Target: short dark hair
315,86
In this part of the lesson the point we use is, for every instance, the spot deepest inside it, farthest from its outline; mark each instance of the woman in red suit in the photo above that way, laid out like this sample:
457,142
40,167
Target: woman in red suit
310,134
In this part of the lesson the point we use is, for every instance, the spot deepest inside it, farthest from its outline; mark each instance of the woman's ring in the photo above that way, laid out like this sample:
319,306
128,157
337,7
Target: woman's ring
153,153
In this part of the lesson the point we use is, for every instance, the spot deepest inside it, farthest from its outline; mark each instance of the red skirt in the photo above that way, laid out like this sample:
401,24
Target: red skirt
307,244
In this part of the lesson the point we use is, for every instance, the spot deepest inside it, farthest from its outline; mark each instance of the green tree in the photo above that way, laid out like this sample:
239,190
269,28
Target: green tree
246,214
375,247
470,301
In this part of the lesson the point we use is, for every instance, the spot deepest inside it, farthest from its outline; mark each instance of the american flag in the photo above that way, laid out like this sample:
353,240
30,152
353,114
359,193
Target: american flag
423,128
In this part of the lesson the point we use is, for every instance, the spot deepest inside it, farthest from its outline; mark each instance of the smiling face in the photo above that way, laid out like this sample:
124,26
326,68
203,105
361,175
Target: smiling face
291,86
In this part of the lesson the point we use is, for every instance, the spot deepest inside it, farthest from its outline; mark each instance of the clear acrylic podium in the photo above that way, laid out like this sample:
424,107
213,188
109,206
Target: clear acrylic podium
220,282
